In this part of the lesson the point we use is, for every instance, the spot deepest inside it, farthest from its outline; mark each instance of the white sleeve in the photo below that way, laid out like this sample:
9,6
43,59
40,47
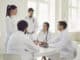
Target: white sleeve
31,46
60,43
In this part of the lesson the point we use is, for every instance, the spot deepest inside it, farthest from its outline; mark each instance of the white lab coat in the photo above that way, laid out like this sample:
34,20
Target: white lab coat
48,37
64,43
22,45
45,36
11,27
32,26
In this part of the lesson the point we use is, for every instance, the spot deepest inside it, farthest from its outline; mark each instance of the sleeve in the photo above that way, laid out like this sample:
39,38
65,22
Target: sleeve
60,42
30,46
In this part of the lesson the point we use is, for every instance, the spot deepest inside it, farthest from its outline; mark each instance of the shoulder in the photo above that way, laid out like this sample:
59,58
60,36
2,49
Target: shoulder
40,32
12,36
25,17
7,18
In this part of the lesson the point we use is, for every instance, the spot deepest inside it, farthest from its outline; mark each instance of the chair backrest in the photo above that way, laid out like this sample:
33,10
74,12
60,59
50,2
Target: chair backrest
78,53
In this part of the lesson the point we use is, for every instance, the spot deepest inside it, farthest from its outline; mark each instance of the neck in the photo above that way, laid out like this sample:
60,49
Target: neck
45,31
61,30
30,16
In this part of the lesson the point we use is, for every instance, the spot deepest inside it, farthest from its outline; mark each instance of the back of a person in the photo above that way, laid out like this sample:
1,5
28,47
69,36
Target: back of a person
16,43
19,43
67,48
64,42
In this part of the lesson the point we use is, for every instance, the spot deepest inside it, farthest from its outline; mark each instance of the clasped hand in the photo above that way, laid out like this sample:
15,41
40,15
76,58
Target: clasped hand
41,43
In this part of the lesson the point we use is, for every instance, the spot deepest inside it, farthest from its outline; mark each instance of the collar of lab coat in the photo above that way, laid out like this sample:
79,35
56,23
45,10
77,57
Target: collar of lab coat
28,17
44,32
11,16
20,32
64,31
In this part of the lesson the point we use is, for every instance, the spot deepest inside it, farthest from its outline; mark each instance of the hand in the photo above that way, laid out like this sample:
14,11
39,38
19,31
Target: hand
36,42
33,32
43,44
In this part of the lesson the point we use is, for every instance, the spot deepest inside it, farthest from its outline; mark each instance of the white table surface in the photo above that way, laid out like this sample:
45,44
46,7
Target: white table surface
47,51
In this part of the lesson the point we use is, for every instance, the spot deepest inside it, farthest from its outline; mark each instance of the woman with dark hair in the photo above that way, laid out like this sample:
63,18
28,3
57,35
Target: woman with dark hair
11,26
11,10
44,36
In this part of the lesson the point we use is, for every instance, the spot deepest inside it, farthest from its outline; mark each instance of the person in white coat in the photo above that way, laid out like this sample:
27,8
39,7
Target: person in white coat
32,23
44,36
63,42
10,21
20,44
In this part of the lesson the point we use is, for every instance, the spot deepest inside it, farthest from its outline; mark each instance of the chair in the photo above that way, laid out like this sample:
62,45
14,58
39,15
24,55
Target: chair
78,53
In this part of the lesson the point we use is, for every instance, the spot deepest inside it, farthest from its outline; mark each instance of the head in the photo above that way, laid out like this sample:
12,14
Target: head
45,26
62,25
30,12
22,26
11,10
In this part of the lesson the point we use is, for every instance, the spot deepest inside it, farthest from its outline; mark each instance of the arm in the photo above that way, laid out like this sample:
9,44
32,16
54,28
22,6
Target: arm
30,46
60,42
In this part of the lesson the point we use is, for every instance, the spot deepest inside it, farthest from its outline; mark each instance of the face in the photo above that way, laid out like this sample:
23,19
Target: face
45,27
14,12
30,14
59,27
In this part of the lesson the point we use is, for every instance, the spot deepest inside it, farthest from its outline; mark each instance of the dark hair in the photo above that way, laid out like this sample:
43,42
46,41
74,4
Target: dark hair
9,8
47,25
63,23
22,25
30,9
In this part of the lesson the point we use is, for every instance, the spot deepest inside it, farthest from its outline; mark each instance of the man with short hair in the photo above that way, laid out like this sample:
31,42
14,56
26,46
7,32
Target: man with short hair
32,22
63,42
20,44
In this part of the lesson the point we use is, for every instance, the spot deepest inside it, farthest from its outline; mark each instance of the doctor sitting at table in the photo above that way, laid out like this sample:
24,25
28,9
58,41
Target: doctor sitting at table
64,43
44,36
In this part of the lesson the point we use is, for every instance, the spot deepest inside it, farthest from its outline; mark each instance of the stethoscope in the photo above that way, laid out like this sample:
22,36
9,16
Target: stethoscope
46,38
